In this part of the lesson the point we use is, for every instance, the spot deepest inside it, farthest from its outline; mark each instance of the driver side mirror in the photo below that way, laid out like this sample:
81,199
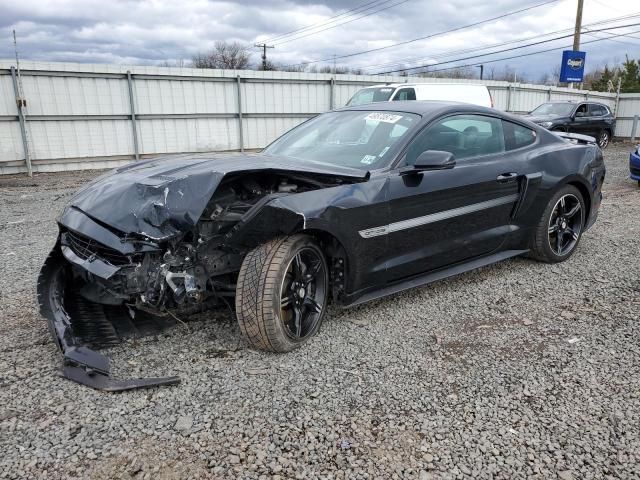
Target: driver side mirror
434,160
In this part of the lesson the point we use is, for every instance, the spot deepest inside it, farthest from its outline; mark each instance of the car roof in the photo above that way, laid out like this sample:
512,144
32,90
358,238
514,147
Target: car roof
576,102
420,107
415,84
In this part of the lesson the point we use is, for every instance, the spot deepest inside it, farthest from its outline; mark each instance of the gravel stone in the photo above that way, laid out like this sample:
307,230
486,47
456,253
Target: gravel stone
469,377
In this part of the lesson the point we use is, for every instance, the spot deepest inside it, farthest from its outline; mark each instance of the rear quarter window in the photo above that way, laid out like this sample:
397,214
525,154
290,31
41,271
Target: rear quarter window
516,136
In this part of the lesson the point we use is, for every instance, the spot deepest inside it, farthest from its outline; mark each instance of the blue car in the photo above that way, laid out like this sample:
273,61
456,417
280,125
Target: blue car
634,165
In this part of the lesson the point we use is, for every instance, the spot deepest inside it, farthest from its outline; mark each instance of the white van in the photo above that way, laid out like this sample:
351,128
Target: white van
457,92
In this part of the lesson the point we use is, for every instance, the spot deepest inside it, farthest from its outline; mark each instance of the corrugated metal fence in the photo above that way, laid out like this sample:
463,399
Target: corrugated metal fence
81,116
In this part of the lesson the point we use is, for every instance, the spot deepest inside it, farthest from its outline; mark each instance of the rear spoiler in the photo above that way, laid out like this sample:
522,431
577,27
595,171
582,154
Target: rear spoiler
576,138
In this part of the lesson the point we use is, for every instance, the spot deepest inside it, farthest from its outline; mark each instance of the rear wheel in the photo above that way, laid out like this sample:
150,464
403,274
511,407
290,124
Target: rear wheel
281,295
560,228
603,139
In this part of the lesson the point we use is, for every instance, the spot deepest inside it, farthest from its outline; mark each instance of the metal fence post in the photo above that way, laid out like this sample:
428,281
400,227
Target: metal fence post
617,104
23,122
240,127
549,95
332,101
634,128
509,98
134,126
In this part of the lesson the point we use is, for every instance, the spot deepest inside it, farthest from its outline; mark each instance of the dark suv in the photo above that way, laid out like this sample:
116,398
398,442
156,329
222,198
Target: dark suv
586,118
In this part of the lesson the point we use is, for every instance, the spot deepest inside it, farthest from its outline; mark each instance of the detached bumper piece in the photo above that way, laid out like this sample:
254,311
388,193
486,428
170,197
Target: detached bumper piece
97,326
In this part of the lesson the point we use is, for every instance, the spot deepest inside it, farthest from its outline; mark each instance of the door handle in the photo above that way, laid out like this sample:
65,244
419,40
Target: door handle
507,177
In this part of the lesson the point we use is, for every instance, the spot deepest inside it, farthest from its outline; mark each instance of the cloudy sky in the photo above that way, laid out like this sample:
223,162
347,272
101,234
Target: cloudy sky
152,31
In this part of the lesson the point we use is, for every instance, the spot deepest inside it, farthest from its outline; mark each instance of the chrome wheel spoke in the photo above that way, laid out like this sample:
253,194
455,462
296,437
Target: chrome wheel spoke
553,228
559,243
312,272
297,267
285,301
297,320
312,305
573,211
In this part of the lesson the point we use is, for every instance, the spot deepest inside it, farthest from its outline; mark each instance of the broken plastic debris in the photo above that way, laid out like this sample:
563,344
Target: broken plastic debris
344,444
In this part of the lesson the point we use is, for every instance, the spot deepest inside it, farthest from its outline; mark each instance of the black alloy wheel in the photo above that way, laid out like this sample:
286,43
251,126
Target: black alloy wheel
603,139
565,224
303,293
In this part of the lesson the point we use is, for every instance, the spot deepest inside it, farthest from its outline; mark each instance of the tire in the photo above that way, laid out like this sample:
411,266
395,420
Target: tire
278,306
603,139
559,220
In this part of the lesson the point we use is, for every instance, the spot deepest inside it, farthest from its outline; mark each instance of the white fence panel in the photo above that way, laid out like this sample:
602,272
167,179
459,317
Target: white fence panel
629,107
7,96
161,97
77,139
52,95
188,135
259,132
10,143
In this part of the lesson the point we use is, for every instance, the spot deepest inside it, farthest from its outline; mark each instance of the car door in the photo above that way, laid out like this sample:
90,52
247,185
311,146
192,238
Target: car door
597,115
581,121
442,217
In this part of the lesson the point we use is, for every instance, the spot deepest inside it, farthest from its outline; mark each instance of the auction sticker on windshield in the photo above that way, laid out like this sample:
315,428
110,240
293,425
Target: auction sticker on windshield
384,117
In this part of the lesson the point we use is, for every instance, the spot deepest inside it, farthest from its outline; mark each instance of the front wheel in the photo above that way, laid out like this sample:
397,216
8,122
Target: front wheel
559,231
281,294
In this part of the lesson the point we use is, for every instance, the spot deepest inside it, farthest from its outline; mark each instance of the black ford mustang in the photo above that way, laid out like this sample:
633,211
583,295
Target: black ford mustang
349,206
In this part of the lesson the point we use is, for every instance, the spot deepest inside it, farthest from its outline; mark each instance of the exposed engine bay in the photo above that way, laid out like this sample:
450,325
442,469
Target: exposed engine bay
186,273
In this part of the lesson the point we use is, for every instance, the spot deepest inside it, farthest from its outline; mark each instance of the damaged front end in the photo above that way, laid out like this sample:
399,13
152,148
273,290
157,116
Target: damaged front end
162,256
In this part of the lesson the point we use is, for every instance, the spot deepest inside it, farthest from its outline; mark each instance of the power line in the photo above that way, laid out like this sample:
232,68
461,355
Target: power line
464,27
343,23
477,49
525,54
599,35
504,50
286,34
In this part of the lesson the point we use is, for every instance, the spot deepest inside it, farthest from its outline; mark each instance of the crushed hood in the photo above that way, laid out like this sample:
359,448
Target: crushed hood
162,197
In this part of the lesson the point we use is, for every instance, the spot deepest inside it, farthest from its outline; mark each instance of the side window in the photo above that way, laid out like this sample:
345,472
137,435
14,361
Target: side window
596,110
516,136
405,94
463,135
582,111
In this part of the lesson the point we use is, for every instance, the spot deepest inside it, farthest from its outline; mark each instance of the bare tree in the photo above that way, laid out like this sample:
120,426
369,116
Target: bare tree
229,55
180,63
459,72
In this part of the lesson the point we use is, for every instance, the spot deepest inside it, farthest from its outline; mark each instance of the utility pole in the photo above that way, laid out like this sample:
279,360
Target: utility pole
576,32
264,47
481,67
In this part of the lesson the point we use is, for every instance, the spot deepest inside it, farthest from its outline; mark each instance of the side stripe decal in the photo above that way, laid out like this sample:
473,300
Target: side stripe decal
436,217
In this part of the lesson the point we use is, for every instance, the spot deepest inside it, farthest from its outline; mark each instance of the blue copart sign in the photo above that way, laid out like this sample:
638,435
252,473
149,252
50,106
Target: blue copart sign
572,69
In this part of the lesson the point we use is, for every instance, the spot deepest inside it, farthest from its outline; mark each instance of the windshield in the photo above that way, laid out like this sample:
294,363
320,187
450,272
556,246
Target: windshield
554,109
370,95
355,139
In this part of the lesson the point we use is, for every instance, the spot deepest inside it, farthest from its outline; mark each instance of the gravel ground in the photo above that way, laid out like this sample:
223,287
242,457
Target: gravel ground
516,370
